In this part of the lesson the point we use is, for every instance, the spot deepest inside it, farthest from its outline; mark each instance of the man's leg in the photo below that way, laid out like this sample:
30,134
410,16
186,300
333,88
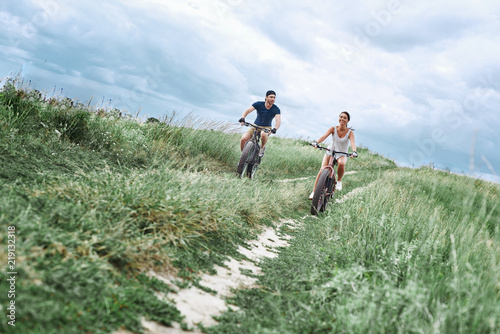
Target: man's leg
264,137
246,137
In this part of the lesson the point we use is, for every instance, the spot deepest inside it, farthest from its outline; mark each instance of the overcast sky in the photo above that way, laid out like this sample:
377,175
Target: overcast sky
421,79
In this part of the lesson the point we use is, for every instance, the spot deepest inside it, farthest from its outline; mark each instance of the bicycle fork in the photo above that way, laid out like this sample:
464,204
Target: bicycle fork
331,181
253,160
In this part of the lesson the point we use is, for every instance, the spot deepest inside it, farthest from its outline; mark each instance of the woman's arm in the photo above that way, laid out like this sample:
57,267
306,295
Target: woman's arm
327,133
353,142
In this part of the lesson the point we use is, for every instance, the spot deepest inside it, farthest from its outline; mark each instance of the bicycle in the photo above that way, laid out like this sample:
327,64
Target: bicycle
250,159
325,187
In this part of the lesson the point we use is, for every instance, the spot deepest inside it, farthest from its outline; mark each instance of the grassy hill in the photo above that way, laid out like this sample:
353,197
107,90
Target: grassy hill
94,200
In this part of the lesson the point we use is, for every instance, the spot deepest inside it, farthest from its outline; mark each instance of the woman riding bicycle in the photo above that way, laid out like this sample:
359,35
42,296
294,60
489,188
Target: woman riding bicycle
266,112
341,136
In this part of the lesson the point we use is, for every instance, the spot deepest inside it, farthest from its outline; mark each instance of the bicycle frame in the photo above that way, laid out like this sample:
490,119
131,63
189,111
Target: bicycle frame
331,163
325,186
256,138
250,157
332,160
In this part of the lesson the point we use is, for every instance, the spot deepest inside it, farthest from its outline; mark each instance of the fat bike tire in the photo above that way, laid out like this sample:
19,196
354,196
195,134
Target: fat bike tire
253,166
319,198
330,191
245,158
252,170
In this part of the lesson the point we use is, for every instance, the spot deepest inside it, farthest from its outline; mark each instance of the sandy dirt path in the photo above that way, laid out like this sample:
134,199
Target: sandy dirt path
198,306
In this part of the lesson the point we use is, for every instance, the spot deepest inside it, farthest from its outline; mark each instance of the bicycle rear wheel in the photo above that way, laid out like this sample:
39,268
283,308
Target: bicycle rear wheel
253,164
252,170
319,199
246,156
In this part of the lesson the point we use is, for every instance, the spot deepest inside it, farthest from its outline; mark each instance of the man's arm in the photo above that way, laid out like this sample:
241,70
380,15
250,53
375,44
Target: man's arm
278,121
248,111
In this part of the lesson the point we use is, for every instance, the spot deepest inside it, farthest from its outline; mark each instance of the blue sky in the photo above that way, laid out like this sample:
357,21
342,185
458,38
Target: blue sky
421,79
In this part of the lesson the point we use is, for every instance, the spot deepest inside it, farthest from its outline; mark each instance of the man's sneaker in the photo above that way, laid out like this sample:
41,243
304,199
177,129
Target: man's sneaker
338,187
262,151
311,196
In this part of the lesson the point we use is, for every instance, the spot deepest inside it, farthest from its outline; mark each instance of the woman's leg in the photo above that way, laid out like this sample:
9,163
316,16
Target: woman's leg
323,164
341,167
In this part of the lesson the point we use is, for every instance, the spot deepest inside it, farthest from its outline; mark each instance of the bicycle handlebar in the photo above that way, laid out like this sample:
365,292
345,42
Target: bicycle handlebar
330,150
257,127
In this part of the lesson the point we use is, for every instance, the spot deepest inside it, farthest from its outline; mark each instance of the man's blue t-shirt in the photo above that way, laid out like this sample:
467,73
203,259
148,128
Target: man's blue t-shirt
265,116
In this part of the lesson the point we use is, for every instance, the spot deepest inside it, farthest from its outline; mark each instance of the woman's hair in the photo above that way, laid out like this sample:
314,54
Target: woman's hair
348,118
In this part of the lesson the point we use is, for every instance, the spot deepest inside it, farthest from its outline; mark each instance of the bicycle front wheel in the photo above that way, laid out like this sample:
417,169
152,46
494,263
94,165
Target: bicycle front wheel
329,191
319,199
246,155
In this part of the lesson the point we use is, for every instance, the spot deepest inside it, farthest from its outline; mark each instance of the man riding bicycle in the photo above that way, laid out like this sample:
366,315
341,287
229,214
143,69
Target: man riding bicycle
266,112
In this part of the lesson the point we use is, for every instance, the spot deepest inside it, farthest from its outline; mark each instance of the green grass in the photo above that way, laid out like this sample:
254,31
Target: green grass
98,200
415,252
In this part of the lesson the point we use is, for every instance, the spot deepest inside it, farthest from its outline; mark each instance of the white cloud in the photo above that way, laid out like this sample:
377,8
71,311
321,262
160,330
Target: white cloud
403,69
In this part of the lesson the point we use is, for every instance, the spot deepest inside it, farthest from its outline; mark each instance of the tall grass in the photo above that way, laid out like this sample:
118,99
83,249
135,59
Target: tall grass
415,252
99,199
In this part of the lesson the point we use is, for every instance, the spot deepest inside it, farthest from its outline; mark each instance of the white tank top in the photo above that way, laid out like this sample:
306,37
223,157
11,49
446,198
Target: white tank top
340,144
